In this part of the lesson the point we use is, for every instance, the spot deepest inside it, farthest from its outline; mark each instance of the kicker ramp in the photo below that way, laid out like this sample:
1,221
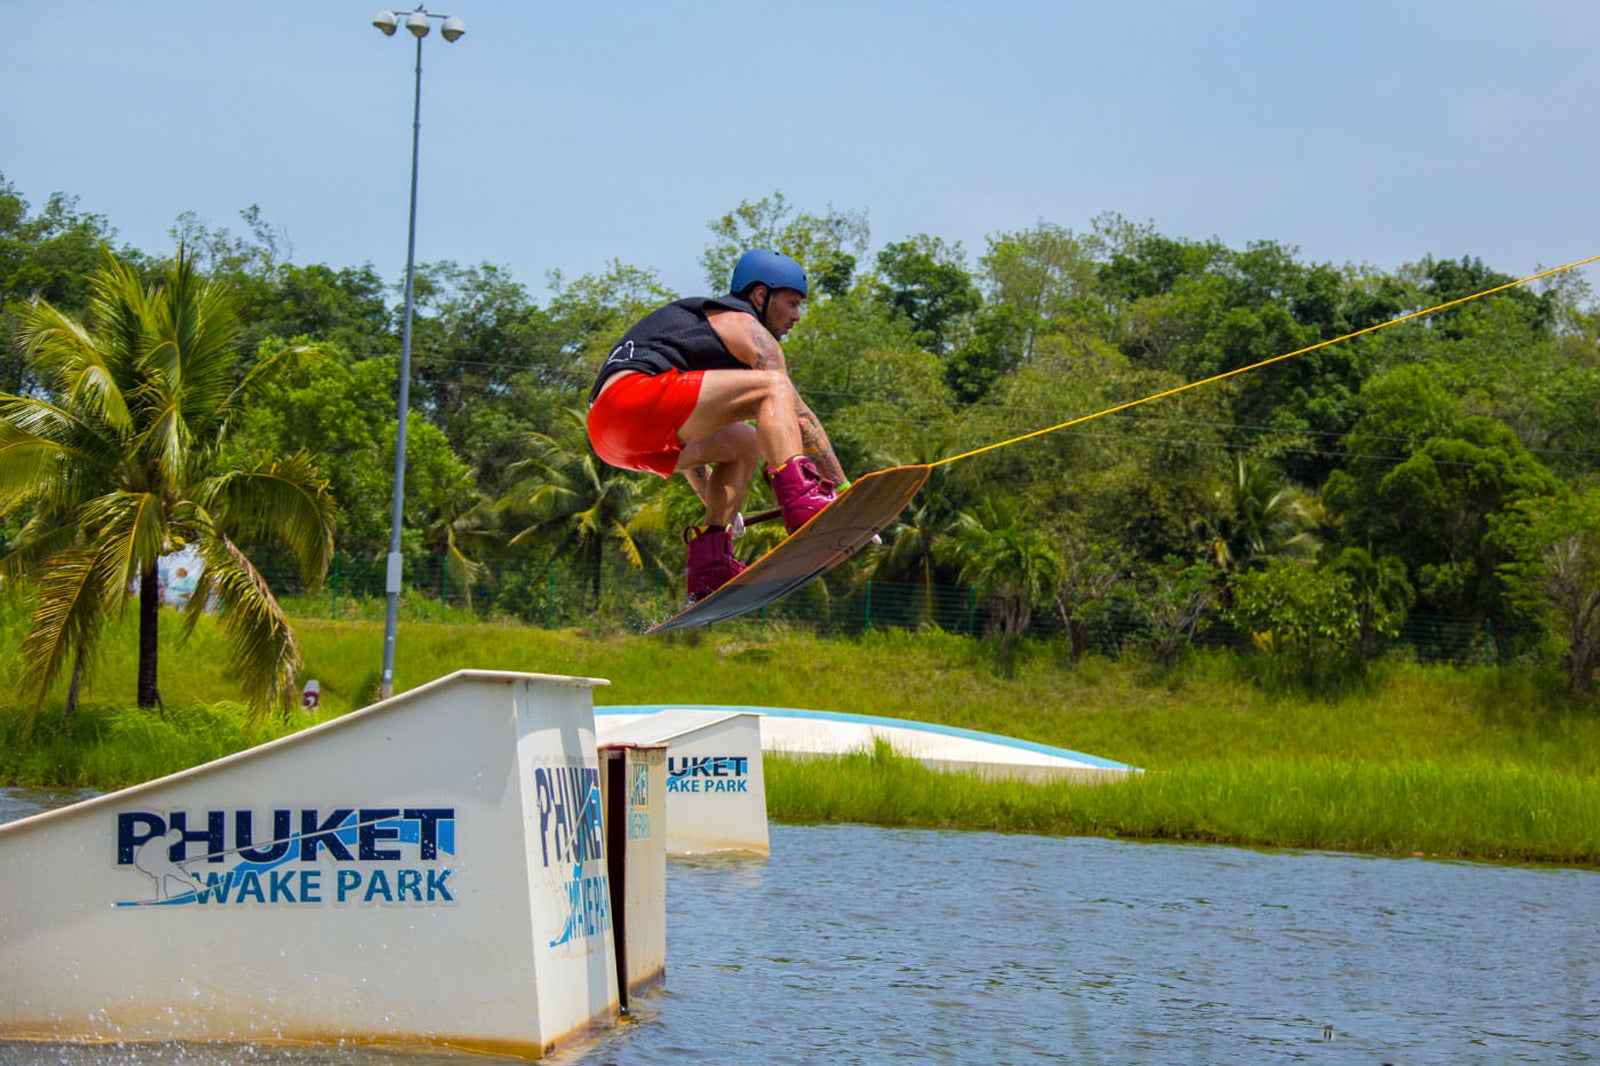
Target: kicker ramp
427,870
716,792
799,734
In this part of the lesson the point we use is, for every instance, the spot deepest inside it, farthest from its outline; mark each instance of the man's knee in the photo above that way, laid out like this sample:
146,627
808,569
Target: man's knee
775,384
740,446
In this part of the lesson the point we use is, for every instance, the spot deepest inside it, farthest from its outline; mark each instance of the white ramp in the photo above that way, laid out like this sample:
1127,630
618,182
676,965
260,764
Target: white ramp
428,870
801,734
716,792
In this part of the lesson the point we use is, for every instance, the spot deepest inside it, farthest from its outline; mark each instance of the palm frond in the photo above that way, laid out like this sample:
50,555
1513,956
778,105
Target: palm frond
131,529
163,358
28,469
116,307
200,319
591,520
624,539
165,443
265,653
72,596
40,537
76,363
466,569
283,497
455,534
267,368
34,417
50,459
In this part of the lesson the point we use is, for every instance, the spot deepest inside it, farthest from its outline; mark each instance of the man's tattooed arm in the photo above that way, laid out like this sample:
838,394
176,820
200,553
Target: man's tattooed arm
817,445
813,438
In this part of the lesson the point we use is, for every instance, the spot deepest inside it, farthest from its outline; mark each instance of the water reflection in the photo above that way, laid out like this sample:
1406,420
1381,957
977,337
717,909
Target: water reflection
855,944
881,945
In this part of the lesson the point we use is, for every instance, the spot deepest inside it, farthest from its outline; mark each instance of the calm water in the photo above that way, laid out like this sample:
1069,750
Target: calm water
862,945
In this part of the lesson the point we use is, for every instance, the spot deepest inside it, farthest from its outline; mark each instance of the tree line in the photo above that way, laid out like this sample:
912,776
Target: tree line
1445,466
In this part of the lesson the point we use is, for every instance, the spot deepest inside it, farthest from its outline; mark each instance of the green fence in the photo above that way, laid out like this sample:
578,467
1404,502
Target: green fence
553,594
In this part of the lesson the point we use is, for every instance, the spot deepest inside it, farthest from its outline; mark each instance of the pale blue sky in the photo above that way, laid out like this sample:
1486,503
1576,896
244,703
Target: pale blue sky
564,135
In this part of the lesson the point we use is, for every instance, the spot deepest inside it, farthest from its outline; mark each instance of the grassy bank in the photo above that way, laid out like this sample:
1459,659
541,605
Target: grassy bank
1473,763
1473,809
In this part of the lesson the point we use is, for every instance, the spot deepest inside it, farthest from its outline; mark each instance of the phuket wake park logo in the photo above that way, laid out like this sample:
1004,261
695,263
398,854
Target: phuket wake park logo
297,857
708,773
572,850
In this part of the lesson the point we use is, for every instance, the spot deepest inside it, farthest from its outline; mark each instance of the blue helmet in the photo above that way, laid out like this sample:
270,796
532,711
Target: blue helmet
772,269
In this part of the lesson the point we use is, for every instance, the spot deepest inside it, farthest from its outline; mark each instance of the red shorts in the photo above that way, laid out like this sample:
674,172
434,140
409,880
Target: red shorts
634,424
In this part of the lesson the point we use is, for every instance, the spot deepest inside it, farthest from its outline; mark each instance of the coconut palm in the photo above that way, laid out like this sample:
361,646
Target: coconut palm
1382,592
1259,516
913,545
1016,565
909,549
120,461
583,505
465,524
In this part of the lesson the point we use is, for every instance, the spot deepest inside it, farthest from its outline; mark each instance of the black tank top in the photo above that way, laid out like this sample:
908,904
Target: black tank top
676,337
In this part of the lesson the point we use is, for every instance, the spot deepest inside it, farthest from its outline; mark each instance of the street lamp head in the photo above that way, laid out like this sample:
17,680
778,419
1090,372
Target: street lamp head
386,22
453,28
418,24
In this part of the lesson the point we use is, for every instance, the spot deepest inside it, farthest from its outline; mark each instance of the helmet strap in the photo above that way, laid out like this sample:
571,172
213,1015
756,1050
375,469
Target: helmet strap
761,311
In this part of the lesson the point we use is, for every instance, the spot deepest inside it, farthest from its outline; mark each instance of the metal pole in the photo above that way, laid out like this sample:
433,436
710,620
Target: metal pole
392,578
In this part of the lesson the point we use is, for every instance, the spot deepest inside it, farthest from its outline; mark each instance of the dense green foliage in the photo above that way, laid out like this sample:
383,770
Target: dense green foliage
1306,507
1491,763
116,459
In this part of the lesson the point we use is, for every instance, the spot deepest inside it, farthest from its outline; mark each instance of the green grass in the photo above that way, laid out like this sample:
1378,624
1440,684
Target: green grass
1474,809
1490,763
105,747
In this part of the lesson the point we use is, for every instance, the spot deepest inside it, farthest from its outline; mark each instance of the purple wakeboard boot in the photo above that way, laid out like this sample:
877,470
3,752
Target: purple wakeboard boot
710,563
801,491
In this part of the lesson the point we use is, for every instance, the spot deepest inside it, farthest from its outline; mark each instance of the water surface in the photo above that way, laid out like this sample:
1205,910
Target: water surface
870,945
862,945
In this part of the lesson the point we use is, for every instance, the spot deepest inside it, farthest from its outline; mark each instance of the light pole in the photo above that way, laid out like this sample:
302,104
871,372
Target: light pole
452,28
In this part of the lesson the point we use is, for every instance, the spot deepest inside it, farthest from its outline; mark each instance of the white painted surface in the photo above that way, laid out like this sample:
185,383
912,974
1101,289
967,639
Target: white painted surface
642,812
716,792
802,734
469,911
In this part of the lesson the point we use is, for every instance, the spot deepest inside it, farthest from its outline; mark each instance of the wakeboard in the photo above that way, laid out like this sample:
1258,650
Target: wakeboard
839,530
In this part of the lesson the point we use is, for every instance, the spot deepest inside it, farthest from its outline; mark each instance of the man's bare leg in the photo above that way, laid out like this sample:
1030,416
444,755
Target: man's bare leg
735,396
719,469
727,399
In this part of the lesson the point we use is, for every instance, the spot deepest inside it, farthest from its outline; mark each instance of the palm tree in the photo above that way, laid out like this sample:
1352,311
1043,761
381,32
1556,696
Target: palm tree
1260,516
912,546
1014,564
464,524
121,462
1382,592
585,504
909,549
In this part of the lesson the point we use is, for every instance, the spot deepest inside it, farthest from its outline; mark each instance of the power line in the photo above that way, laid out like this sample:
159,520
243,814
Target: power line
1264,362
